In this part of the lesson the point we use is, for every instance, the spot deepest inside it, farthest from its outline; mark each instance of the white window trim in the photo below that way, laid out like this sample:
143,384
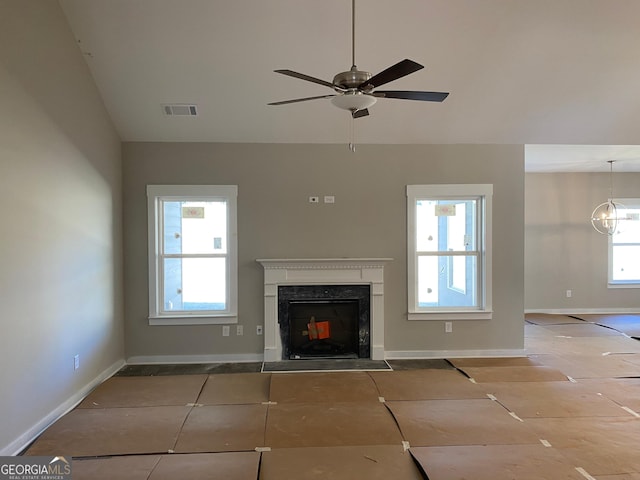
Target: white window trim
619,283
414,192
182,192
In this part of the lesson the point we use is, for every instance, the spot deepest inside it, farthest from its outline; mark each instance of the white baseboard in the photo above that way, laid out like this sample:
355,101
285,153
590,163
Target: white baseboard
585,311
179,359
439,354
20,443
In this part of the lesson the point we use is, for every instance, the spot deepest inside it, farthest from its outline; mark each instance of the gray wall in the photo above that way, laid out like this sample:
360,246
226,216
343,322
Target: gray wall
563,251
367,220
61,247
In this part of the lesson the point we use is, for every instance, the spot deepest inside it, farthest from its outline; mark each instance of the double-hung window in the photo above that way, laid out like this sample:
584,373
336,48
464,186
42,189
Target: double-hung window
624,246
449,251
192,254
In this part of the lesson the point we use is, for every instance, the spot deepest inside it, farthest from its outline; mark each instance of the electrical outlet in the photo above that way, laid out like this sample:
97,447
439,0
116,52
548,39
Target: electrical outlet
448,327
225,330
76,362
259,330
569,293
314,199
239,330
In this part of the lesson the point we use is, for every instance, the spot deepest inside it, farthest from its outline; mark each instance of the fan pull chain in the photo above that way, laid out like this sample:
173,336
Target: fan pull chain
352,142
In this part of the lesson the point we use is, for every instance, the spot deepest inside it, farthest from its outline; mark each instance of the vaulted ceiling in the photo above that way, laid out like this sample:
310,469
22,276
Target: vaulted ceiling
543,72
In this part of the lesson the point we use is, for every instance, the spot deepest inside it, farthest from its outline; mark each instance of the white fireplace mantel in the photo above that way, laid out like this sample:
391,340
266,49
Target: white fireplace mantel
322,271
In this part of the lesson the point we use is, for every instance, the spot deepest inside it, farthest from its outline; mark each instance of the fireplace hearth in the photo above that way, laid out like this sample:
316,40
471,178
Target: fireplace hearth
324,321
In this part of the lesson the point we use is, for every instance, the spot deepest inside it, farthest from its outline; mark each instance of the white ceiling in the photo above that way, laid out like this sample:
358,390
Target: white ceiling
554,74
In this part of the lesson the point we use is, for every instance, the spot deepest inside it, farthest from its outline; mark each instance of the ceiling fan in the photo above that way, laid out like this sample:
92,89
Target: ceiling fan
356,88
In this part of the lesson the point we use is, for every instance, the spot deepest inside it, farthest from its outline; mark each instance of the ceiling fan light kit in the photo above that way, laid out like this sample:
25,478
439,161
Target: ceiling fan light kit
355,89
353,101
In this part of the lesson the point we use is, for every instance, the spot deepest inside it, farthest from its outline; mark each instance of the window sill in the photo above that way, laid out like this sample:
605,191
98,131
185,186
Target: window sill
193,320
624,285
484,315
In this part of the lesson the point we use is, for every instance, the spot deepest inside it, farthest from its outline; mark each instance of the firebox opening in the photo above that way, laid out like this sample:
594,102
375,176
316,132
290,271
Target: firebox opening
327,329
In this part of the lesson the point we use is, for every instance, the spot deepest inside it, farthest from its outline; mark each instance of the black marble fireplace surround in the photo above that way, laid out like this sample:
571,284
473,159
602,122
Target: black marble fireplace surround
345,307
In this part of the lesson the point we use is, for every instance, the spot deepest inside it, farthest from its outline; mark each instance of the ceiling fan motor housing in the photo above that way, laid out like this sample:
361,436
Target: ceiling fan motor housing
351,79
352,97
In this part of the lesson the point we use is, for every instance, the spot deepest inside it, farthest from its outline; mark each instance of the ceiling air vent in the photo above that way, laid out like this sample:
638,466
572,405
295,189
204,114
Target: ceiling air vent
179,110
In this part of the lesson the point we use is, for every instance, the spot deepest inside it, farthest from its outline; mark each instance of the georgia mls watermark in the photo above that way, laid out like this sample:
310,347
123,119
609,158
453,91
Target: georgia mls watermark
35,468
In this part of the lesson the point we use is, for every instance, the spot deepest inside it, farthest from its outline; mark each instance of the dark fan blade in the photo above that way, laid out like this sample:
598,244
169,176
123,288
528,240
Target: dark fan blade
284,102
302,76
423,96
360,113
399,70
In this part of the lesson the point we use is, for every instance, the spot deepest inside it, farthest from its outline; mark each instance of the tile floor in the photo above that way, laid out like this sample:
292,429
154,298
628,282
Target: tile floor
569,410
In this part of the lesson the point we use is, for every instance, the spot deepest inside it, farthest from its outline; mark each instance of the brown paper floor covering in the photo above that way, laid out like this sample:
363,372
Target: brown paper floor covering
570,410
627,324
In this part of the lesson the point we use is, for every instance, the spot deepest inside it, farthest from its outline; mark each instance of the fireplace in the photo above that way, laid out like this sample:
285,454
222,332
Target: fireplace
323,274
324,321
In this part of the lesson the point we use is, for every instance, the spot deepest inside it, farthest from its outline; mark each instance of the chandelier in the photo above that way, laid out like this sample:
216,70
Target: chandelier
605,217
